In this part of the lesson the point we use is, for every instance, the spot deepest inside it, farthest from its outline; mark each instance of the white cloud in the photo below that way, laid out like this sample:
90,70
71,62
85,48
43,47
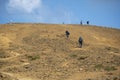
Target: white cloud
23,5
40,12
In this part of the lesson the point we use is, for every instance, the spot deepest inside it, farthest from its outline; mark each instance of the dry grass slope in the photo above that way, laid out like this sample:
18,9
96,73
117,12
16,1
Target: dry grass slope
42,52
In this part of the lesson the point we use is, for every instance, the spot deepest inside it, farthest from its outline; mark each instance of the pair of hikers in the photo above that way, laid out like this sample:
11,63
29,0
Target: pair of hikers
86,22
80,40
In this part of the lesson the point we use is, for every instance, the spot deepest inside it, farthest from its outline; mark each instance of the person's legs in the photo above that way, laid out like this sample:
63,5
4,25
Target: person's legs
67,36
80,44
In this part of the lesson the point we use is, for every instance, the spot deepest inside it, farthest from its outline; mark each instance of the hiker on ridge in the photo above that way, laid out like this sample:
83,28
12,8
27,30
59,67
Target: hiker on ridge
87,22
81,22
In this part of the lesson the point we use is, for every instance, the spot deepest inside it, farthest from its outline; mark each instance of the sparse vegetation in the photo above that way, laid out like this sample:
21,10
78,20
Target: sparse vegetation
33,57
81,57
99,66
106,68
73,55
110,68
4,54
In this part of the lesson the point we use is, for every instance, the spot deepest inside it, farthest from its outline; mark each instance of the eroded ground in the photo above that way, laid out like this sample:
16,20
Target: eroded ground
42,52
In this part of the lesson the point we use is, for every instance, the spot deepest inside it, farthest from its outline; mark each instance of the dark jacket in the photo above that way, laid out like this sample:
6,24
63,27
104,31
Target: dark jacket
67,33
80,39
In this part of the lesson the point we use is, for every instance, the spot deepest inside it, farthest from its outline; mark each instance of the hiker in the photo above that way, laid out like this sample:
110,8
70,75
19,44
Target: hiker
80,42
81,22
87,22
67,34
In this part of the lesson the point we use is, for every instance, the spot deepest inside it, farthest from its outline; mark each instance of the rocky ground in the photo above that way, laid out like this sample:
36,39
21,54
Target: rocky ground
42,52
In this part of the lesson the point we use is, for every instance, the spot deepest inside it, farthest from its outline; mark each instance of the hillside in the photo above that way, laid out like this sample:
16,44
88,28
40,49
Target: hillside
42,52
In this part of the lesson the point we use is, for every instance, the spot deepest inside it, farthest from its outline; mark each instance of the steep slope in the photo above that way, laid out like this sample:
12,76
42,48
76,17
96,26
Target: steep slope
42,52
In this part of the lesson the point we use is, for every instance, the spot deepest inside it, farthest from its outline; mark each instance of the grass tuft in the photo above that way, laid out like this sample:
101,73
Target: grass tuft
106,68
33,57
109,68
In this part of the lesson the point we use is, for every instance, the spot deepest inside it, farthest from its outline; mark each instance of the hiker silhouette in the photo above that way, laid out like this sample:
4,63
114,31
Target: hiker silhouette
87,22
80,41
81,22
67,33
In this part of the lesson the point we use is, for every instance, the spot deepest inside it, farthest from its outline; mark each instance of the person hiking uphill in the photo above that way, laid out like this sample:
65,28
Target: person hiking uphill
67,33
80,41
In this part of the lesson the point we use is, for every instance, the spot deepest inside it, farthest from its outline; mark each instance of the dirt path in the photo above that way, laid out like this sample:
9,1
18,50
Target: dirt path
18,77
85,75
14,55
113,53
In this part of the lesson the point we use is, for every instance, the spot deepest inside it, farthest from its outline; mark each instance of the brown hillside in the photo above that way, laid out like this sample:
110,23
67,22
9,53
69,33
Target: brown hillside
42,52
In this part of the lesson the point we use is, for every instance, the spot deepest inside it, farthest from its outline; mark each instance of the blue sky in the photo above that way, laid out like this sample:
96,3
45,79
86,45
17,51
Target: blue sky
98,12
